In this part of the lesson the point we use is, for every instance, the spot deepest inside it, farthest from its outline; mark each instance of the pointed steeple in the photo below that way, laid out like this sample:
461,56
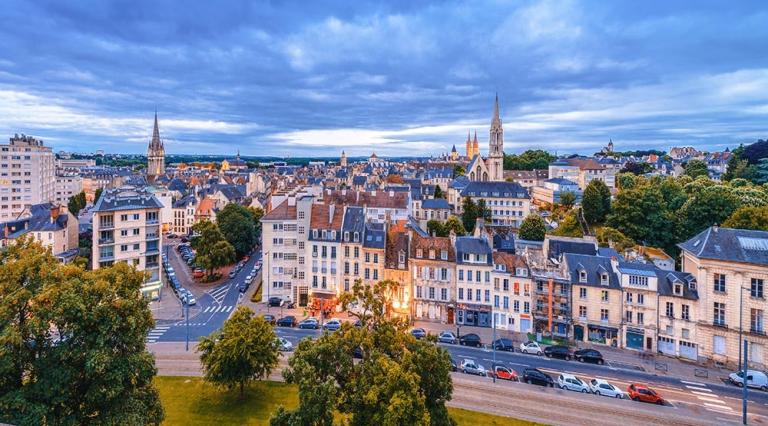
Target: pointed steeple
156,142
475,141
496,118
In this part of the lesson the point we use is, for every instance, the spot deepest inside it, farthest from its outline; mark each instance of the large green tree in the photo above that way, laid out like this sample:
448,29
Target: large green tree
238,227
73,343
528,160
567,199
533,228
243,350
399,380
609,237
213,251
749,218
695,168
596,202
569,226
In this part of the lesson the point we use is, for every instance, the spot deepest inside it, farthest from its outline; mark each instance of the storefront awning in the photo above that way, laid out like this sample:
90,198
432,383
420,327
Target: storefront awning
600,327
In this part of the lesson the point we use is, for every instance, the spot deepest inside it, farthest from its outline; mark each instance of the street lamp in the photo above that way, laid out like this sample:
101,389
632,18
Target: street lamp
743,360
266,259
493,344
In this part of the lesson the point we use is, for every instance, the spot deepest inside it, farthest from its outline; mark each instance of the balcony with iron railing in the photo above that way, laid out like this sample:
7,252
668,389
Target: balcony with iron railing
106,225
110,240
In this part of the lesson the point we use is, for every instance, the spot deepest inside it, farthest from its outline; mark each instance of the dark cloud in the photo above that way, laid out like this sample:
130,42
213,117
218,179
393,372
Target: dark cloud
311,78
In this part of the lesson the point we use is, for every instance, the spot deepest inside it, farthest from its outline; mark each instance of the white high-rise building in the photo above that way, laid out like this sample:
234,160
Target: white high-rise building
27,175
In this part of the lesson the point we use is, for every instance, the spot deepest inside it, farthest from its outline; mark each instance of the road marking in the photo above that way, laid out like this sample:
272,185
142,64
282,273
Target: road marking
526,365
701,393
229,308
698,389
711,399
722,407
693,383
207,308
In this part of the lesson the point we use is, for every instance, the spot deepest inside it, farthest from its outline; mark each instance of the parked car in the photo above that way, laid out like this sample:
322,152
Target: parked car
470,339
447,337
643,393
198,273
469,366
589,355
332,325
530,348
558,351
603,388
270,318
190,299
503,344
505,373
285,345
287,321
571,382
418,333
534,376
755,379
232,273
310,323
275,301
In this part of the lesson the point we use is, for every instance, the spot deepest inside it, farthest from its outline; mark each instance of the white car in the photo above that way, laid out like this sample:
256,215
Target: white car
530,348
285,345
603,388
571,382
248,278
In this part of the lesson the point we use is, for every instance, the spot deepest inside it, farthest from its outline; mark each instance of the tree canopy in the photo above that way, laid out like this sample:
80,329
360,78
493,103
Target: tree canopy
76,203
596,202
636,168
399,380
533,228
471,211
695,168
749,218
440,229
243,350
213,251
528,160
73,342
569,226
238,227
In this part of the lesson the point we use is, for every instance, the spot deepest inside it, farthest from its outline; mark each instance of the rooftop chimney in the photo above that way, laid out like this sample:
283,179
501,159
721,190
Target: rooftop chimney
331,209
54,213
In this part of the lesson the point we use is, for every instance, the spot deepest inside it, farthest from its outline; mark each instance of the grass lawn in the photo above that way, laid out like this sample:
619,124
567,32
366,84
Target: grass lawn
190,401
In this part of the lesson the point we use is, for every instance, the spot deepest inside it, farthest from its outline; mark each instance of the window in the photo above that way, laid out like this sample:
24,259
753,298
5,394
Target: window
720,283
461,293
670,309
629,297
756,321
640,317
418,291
718,345
516,306
346,284
603,314
526,307
469,275
604,295
487,276
583,312
640,298
444,274
487,295
333,252
719,314
629,316
367,274
756,288
443,294
582,276
477,294
604,278
375,258
506,302
582,293
461,275
375,274
638,280
444,254
469,294
685,314
346,251
367,257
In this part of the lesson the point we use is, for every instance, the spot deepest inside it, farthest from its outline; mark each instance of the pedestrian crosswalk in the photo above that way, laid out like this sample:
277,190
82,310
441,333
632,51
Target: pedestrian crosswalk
215,309
709,400
219,293
156,332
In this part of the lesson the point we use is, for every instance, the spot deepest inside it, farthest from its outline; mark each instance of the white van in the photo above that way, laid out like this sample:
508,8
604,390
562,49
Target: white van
755,379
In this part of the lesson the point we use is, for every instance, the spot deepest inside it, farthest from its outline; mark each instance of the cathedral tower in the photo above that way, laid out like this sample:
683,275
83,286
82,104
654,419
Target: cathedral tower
496,146
343,161
155,154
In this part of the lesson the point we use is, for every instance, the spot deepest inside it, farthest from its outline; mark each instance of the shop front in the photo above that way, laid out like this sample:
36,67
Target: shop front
634,338
603,335
473,315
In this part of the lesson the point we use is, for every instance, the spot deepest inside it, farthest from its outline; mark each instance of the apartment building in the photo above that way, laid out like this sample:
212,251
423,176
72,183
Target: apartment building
396,268
373,252
677,310
433,266
282,252
474,266
508,202
582,170
27,175
126,228
67,186
511,293
731,269
324,253
596,299
639,284
50,224
353,230
183,211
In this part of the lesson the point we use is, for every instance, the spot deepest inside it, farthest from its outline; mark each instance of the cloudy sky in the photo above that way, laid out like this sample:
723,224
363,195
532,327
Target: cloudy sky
401,78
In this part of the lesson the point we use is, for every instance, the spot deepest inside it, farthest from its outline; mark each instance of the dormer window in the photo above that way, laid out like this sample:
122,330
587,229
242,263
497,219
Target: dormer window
346,236
604,278
419,253
357,237
678,289
333,235
501,267
521,272
401,257
431,254
444,254
465,256
582,276
325,234
314,233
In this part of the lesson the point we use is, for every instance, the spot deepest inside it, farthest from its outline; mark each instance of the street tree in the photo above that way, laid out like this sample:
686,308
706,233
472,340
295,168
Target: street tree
569,226
533,228
596,202
468,214
213,251
243,350
76,203
609,237
73,342
439,192
238,228
453,223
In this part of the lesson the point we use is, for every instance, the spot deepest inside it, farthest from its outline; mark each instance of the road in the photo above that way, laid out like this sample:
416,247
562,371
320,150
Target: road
213,307
705,403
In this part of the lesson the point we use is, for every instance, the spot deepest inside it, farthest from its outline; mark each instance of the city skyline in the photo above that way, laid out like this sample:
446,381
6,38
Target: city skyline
570,76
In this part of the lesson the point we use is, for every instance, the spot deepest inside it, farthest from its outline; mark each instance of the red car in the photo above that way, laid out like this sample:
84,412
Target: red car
505,373
644,394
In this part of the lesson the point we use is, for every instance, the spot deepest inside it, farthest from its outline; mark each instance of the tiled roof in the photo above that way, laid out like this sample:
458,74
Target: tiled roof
510,261
205,207
377,199
397,242
281,212
432,243
727,244
326,216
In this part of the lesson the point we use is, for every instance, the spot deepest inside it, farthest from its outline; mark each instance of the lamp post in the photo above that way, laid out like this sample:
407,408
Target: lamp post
744,380
266,283
493,344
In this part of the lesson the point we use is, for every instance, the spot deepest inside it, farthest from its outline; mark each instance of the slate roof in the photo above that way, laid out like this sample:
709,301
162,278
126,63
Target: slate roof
185,201
459,183
354,221
126,198
177,184
562,181
594,266
359,180
435,203
473,245
39,221
495,190
504,242
637,268
374,235
726,244
559,246
232,192
667,280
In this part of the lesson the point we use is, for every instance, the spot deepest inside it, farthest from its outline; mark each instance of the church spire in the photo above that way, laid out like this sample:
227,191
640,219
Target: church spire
156,142
496,118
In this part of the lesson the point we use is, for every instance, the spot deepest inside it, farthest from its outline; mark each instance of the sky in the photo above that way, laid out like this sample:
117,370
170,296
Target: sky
313,78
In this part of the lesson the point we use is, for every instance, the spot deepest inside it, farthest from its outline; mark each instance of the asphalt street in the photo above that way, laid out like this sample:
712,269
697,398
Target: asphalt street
705,400
213,307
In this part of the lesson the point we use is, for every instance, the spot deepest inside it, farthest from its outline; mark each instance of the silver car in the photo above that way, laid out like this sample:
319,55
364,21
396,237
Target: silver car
447,337
469,366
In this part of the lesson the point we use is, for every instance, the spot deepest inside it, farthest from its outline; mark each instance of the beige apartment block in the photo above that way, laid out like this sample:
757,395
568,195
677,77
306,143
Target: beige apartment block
67,186
731,268
127,228
512,297
27,175
433,266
